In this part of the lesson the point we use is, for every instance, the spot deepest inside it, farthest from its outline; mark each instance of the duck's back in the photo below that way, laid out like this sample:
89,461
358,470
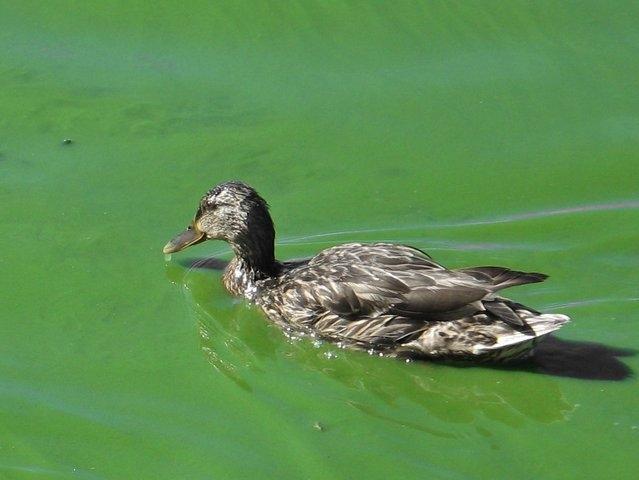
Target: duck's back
395,297
364,280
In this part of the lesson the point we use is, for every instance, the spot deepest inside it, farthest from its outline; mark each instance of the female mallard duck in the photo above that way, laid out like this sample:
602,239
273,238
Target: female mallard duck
383,297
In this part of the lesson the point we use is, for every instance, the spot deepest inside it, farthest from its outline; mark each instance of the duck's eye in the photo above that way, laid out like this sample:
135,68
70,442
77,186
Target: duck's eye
209,207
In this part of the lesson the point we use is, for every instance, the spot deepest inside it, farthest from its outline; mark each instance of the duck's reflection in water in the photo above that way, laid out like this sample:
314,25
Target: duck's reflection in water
240,344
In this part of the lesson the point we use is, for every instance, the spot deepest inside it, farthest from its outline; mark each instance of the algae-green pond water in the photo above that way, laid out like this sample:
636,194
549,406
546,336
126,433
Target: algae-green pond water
485,133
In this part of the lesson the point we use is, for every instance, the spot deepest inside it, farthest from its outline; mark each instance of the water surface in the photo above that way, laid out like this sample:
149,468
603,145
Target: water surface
482,132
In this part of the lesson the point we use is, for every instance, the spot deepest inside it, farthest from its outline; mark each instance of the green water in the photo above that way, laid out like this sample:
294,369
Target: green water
483,132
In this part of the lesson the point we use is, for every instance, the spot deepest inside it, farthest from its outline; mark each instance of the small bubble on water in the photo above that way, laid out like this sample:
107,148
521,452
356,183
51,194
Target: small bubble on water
330,355
167,257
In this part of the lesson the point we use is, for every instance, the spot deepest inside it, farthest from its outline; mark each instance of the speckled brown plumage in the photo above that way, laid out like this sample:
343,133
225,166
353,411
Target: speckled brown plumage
380,297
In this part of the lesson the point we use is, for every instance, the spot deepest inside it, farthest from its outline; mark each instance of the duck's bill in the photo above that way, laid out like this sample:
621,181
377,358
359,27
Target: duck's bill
188,237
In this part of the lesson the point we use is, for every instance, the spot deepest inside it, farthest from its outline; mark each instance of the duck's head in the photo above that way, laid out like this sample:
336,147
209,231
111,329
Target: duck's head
233,212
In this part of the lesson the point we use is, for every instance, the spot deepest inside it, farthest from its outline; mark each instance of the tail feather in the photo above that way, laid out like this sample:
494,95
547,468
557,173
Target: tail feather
501,277
503,311
512,343
547,322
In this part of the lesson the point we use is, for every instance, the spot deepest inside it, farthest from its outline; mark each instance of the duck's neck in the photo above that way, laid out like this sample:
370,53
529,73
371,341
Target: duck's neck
254,260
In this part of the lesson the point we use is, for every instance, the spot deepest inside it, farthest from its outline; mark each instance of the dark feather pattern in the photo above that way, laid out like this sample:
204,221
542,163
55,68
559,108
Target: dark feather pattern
381,296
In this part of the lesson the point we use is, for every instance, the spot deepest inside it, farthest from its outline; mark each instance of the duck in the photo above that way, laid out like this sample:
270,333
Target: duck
385,298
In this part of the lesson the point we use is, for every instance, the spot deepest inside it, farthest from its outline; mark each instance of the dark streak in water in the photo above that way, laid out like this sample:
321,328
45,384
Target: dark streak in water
210,263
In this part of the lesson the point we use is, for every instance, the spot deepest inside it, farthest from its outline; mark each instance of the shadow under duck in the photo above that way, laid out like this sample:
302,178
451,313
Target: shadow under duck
382,297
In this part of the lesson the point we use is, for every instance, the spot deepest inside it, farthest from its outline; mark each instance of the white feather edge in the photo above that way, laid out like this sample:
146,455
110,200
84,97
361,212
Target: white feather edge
541,324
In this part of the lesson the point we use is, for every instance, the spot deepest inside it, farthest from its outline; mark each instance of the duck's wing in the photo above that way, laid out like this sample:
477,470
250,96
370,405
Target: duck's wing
366,290
359,280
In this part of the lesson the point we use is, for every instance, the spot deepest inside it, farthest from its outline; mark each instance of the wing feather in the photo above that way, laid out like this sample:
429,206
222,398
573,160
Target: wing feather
378,279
